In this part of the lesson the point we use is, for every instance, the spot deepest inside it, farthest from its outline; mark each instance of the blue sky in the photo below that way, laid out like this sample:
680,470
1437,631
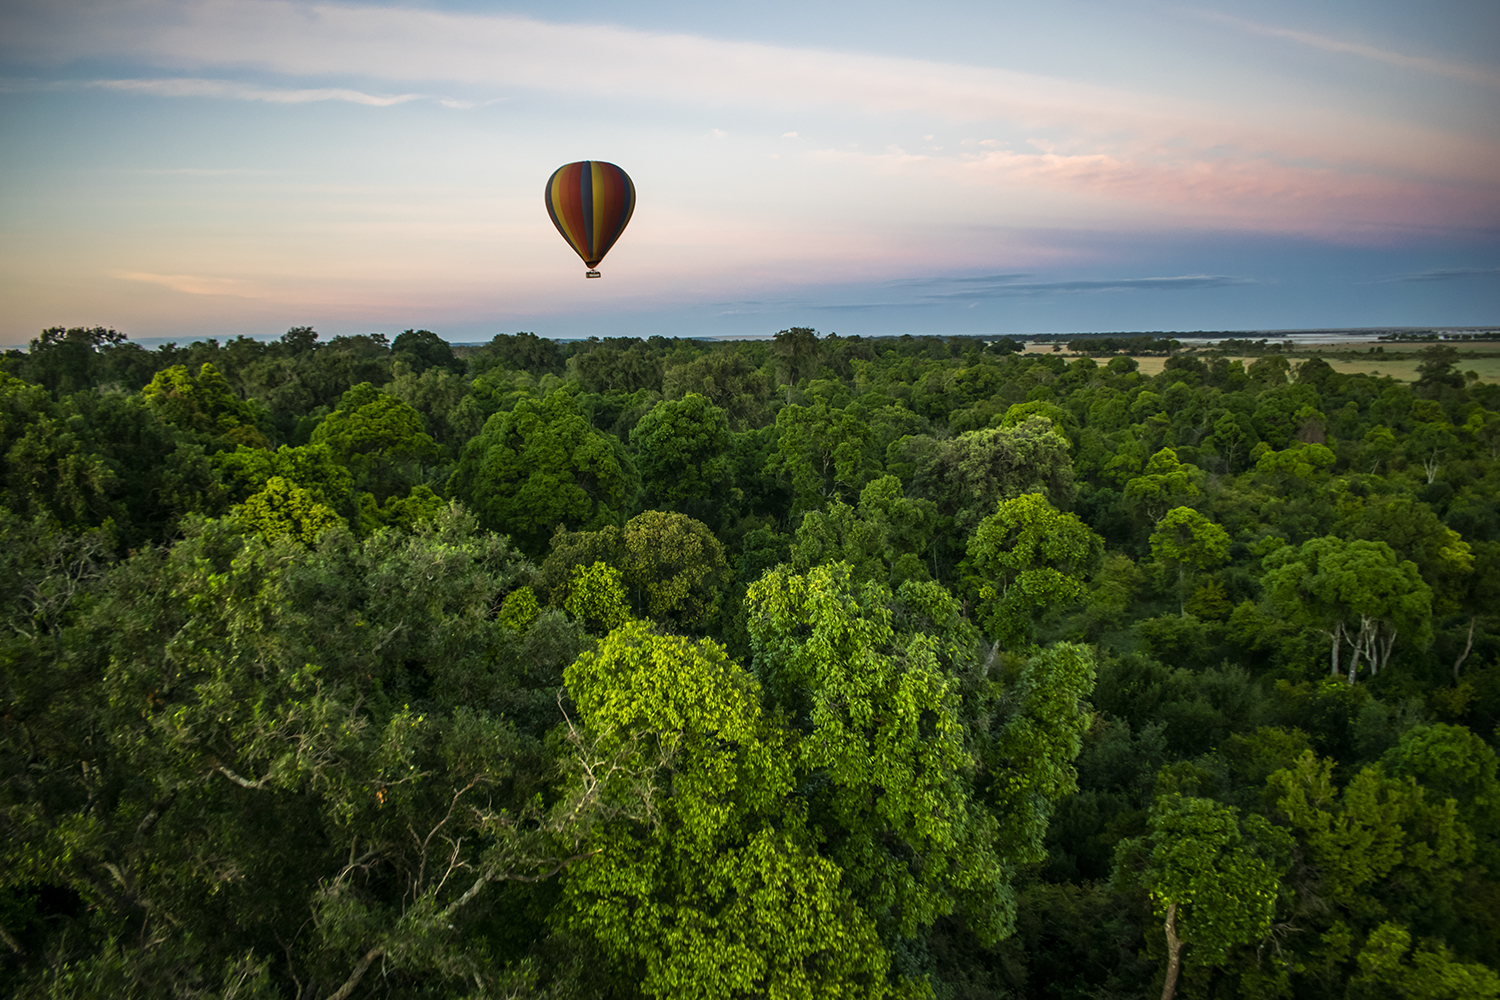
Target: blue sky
187,168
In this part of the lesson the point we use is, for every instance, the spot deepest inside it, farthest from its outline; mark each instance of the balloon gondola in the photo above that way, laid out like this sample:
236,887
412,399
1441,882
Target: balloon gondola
590,203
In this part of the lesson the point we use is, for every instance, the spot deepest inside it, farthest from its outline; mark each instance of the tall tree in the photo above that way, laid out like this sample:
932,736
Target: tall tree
541,465
1356,593
1212,886
1028,558
1185,539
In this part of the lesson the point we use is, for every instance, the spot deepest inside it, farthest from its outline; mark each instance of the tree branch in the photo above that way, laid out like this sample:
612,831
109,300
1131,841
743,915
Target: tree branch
363,966
11,942
242,782
148,821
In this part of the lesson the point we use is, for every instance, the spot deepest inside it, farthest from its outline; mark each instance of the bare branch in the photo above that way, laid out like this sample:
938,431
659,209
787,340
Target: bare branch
242,782
148,821
363,966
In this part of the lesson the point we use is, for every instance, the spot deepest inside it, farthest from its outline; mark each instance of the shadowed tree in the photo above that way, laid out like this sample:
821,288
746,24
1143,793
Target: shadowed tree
541,465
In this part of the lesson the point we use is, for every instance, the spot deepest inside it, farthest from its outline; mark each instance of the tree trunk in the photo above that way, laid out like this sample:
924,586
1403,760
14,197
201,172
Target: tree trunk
1468,647
1338,638
1386,645
1174,954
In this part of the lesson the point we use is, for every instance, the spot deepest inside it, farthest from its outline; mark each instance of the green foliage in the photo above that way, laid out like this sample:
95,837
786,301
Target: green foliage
1386,970
539,466
682,452
1354,592
1185,539
1214,879
1162,485
1378,823
203,403
520,609
283,509
398,512
671,565
821,450
260,778
883,539
596,595
378,438
968,475
289,722
704,896
1031,558
884,733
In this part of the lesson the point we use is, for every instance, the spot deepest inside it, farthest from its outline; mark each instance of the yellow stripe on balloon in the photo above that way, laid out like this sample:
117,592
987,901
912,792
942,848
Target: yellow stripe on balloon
600,192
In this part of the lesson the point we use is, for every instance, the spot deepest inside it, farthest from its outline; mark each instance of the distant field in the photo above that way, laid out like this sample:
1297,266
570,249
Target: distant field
1397,361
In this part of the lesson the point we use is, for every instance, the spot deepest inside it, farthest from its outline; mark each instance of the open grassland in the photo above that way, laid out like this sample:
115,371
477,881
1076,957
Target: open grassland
1397,361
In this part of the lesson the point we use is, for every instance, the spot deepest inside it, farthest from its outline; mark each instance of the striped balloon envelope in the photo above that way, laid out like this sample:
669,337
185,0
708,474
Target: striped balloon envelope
590,203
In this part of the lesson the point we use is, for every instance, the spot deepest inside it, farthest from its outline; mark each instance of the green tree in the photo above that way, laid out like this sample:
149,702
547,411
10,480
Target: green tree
672,566
205,403
881,719
1186,539
285,509
1356,592
797,353
718,890
1030,558
541,465
681,449
821,450
379,438
1164,483
1386,970
975,471
1214,887
423,349
312,467
884,539
301,764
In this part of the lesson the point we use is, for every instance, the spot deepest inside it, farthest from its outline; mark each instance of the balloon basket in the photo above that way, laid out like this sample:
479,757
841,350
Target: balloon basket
592,274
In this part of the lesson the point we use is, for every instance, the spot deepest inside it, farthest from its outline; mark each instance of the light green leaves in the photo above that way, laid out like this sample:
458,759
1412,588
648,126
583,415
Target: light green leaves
1165,481
596,595
1222,883
1186,539
1357,592
1428,973
285,509
718,889
541,465
1031,558
883,739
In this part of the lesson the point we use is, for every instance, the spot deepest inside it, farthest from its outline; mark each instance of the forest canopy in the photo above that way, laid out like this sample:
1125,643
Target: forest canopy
809,666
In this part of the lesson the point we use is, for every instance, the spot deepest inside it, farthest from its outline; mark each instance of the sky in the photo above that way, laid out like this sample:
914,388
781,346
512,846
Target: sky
213,168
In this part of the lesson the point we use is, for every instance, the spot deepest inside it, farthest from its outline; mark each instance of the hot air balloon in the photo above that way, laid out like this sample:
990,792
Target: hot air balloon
590,203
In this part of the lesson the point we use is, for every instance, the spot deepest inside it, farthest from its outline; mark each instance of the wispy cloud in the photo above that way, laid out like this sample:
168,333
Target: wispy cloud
233,90
1440,67
1449,274
408,44
1002,288
1258,193
927,293
194,284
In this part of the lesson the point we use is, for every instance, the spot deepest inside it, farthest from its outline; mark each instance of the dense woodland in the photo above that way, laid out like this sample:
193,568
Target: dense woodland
806,667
